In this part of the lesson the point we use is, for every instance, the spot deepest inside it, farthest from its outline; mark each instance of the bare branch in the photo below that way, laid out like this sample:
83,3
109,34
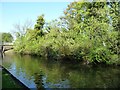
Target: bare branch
22,29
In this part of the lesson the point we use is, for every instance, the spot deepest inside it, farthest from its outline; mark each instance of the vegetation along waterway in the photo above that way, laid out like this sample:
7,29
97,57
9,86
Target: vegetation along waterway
78,50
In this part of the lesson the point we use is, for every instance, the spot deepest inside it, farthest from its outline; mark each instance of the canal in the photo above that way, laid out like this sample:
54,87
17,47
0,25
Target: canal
37,72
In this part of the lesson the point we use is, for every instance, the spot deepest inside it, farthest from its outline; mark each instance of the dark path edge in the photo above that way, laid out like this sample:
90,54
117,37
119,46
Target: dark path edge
18,81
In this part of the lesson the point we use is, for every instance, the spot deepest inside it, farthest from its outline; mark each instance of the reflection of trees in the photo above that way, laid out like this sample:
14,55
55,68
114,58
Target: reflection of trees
97,77
56,72
2,55
38,80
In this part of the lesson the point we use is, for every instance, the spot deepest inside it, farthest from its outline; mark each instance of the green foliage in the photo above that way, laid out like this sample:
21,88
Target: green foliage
7,37
39,24
87,32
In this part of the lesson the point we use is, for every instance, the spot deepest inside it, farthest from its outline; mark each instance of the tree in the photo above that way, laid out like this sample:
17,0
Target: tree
56,25
7,37
100,22
40,22
21,29
87,32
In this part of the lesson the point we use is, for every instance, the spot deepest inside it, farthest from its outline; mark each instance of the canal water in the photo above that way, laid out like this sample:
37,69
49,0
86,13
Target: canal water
37,72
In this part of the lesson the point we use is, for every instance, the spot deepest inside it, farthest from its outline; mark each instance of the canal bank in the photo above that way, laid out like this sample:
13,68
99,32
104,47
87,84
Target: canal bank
11,82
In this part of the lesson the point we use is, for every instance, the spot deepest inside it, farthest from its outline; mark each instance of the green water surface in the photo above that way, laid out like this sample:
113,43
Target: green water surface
37,72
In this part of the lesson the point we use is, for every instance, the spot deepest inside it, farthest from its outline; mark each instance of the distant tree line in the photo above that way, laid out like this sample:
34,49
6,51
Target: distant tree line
7,37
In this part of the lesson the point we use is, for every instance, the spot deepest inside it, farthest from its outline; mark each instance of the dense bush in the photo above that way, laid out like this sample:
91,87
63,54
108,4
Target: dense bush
90,33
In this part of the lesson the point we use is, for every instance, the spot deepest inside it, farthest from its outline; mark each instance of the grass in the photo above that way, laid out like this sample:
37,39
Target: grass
8,82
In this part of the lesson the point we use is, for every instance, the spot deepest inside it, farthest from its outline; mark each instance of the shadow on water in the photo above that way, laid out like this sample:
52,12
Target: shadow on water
41,73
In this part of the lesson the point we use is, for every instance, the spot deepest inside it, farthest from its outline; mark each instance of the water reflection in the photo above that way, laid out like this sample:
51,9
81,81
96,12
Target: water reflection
1,55
36,72
39,80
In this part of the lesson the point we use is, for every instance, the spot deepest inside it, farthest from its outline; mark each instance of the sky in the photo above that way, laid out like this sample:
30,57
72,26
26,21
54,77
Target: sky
12,13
